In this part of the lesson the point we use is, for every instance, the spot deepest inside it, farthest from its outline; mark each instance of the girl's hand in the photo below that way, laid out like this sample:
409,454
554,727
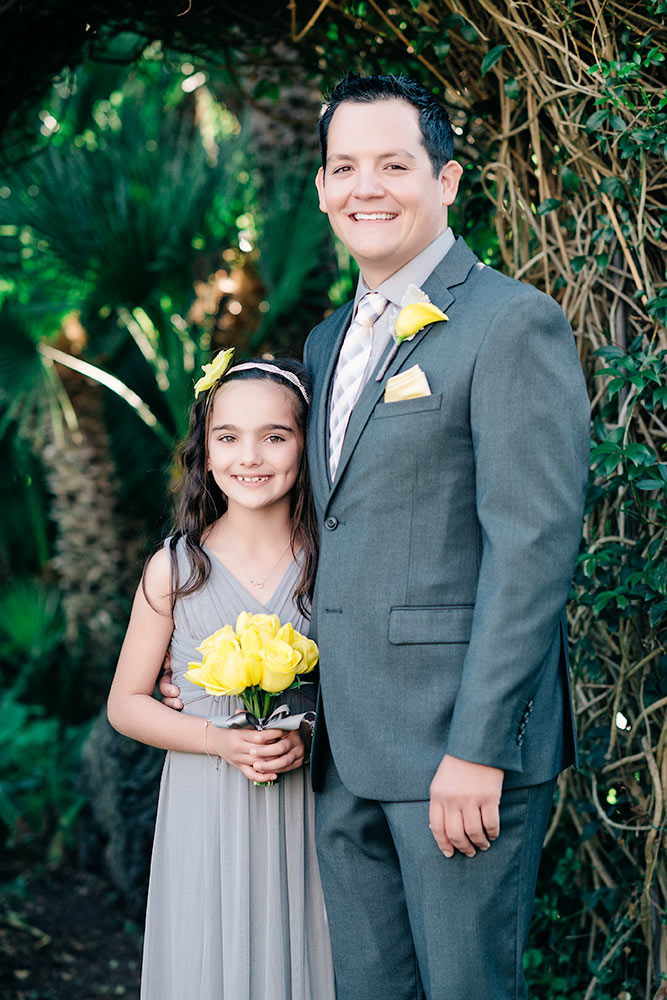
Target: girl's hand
285,753
259,756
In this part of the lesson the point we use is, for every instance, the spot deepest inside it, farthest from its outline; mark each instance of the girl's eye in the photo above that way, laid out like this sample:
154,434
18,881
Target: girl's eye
273,438
225,438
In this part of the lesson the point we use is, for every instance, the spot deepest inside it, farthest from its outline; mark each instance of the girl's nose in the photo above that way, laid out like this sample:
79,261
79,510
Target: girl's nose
250,453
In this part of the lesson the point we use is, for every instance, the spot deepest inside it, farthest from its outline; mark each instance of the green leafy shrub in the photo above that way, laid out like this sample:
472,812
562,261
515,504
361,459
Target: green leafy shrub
39,756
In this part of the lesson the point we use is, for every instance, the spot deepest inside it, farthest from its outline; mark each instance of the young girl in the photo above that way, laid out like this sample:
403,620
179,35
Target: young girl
235,909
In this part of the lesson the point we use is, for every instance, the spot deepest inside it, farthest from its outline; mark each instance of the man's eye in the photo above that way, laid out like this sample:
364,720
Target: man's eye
343,169
395,166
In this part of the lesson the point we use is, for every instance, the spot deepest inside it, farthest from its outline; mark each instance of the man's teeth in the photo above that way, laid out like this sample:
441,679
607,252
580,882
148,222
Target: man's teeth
373,216
252,479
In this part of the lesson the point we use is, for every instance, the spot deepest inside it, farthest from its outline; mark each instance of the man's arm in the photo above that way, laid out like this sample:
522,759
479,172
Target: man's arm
529,421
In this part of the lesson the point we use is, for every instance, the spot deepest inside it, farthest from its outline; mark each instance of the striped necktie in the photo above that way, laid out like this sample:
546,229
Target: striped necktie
349,378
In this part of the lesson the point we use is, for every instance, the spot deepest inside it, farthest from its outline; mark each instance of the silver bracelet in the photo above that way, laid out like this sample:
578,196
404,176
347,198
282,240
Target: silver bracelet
217,760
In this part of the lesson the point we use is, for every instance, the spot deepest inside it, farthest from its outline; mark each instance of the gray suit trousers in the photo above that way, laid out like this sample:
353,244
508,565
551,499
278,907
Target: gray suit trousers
406,922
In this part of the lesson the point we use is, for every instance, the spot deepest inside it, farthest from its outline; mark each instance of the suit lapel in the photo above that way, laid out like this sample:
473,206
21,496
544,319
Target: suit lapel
452,271
319,433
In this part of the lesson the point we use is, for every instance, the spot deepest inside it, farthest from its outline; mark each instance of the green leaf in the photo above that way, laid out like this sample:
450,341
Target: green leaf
639,454
492,57
596,120
615,385
643,135
548,205
442,48
610,351
578,263
570,179
650,484
511,88
617,123
612,186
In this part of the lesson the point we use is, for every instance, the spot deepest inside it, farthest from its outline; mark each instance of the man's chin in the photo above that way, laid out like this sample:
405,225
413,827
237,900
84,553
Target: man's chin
376,267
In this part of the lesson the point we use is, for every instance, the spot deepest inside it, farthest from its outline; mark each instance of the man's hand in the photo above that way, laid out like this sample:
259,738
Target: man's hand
170,693
464,811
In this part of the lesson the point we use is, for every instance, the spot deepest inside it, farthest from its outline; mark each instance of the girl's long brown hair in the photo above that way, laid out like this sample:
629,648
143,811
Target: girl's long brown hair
201,502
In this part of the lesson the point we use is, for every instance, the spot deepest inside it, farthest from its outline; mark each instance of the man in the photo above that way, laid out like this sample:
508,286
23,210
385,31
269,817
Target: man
450,526
449,529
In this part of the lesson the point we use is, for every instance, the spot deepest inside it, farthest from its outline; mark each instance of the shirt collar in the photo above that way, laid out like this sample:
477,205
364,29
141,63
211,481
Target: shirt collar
415,272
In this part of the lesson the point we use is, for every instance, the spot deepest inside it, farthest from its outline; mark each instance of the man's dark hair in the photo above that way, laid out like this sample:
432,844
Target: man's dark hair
436,128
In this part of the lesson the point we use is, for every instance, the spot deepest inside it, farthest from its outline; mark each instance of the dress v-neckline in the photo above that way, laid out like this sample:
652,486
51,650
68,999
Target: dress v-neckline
274,593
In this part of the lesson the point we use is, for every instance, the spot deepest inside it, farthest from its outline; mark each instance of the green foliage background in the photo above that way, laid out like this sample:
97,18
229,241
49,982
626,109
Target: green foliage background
124,218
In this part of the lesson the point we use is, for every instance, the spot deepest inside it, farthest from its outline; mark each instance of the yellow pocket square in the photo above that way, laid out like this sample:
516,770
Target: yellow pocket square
407,385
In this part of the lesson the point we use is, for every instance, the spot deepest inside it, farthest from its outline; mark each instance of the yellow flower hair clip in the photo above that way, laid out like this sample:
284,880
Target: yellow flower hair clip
214,371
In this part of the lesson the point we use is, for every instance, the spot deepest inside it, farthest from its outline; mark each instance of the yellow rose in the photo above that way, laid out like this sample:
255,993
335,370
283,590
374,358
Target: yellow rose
267,626
214,371
223,671
250,641
310,654
414,318
211,641
286,633
279,663
253,670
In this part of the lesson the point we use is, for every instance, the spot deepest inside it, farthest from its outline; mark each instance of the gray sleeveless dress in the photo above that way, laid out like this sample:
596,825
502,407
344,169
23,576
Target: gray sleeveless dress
235,908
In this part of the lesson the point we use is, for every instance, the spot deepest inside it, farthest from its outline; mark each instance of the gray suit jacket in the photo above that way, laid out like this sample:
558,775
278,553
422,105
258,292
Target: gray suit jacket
448,542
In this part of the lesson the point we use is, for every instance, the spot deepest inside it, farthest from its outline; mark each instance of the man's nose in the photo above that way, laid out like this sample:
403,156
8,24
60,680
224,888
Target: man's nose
368,184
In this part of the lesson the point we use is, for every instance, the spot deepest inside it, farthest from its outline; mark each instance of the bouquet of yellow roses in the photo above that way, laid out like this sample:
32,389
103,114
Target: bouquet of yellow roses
256,661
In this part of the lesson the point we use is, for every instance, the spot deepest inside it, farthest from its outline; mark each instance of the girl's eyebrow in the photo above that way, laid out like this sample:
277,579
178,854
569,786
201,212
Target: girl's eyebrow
266,427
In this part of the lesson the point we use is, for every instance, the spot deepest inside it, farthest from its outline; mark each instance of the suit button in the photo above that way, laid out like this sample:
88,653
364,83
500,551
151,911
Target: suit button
331,523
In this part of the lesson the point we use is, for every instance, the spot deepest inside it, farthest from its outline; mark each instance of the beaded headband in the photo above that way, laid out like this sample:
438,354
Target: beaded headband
214,371
290,376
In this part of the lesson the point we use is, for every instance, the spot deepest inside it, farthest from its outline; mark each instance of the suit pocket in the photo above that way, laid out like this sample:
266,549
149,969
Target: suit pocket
404,406
416,626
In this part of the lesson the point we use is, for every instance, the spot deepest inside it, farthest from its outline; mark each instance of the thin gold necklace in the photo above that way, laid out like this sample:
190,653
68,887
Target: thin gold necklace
258,584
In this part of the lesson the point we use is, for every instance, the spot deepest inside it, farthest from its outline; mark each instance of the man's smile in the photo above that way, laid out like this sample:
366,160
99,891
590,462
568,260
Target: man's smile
373,216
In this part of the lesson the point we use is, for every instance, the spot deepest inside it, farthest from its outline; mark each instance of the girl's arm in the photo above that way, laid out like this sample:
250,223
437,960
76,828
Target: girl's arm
133,711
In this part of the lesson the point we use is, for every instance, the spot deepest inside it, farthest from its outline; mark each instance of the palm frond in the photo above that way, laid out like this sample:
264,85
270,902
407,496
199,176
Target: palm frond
293,237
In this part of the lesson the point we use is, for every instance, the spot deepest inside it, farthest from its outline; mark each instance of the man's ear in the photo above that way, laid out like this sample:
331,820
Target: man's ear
319,184
450,175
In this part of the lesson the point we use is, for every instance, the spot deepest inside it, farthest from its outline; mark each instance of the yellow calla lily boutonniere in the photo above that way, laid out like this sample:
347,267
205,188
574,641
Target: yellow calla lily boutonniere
417,312
414,318
214,371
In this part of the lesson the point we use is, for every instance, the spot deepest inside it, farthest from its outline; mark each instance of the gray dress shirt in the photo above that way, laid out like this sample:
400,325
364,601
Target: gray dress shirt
415,272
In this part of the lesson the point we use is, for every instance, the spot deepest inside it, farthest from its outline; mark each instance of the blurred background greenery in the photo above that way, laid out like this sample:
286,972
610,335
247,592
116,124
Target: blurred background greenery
156,203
